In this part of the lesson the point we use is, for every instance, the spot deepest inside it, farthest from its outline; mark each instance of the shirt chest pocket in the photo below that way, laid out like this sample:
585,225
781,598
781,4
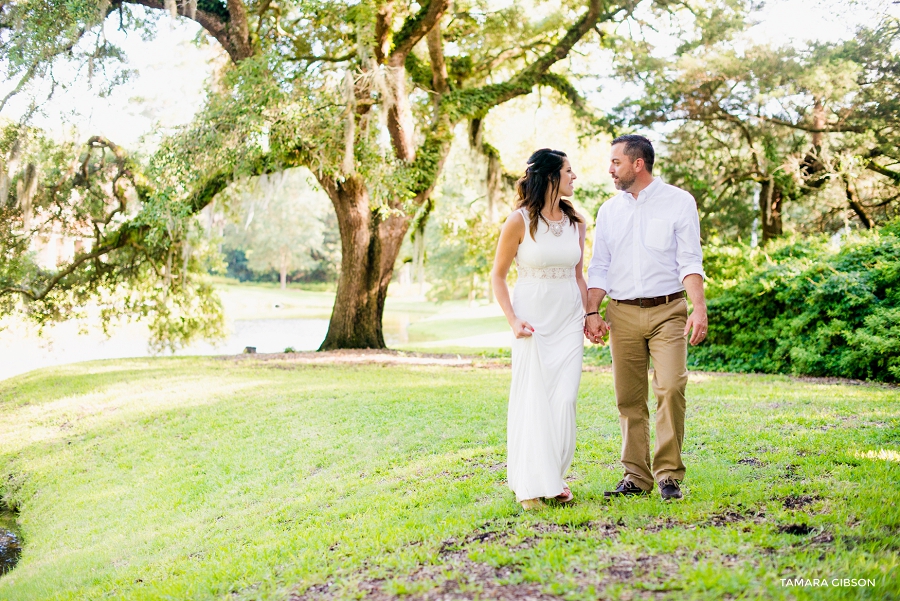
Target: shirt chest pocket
658,234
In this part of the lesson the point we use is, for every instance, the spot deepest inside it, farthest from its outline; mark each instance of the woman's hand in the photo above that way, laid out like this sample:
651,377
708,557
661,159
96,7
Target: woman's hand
521,328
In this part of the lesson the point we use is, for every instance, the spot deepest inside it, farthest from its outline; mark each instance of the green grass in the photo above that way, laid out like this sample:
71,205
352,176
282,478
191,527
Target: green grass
445,329
194,478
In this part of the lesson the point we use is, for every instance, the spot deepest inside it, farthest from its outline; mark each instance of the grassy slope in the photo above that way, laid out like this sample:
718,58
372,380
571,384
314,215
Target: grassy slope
198,478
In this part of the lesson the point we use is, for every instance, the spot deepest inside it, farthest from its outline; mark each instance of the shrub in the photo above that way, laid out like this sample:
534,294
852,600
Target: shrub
803,307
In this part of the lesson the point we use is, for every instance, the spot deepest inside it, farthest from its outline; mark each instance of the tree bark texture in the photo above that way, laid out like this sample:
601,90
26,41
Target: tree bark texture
853,201
370,246
400,119
233,33
771,197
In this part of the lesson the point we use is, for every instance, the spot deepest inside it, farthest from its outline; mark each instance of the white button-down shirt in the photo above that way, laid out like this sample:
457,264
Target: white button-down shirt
646,247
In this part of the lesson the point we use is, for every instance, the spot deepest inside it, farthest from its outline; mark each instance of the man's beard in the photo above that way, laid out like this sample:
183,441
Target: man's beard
623,183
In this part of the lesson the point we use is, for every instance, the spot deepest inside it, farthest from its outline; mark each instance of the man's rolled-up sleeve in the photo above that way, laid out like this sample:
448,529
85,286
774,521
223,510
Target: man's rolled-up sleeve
688,254
599,266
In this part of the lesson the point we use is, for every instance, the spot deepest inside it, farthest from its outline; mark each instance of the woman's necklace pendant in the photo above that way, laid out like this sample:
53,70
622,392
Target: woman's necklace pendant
556,227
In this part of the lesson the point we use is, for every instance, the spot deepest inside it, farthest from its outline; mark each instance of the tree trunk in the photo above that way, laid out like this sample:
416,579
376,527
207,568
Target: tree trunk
370,246
771,197
283,269
853,201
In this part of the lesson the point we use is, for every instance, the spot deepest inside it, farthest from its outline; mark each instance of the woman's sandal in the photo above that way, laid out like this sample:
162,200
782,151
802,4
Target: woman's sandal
529,504
565,496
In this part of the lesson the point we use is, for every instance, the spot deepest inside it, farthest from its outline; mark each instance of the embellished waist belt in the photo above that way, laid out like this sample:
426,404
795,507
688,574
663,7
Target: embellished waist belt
546,273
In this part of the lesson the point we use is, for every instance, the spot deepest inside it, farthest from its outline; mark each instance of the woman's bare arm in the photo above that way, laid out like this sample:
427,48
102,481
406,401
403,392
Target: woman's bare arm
511,236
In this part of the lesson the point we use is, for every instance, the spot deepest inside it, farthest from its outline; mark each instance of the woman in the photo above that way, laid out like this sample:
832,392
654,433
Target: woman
545,235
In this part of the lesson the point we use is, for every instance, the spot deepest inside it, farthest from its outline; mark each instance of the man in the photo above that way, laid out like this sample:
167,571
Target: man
646,255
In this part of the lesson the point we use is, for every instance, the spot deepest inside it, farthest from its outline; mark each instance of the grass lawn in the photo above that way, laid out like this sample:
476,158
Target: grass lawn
201,478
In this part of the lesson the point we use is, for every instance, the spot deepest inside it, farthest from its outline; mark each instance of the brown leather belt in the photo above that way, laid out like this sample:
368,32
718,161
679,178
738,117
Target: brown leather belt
652,302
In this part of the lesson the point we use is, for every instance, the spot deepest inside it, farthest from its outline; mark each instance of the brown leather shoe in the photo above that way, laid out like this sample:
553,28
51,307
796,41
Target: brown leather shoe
670,489
625,488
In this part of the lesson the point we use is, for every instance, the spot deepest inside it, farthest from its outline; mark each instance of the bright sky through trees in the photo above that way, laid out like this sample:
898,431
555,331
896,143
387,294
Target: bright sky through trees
172,70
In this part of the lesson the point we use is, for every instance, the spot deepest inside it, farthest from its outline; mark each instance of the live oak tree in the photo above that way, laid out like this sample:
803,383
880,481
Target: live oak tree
814,130
366,95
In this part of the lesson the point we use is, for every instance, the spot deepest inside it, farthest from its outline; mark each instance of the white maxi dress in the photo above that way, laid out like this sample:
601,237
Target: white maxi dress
546,367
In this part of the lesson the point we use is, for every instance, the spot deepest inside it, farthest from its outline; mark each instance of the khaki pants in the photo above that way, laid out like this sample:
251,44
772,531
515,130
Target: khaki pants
637,335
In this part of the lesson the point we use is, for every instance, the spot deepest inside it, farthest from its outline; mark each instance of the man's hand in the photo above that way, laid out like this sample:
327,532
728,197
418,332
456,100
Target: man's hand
595,329
594,326
697,322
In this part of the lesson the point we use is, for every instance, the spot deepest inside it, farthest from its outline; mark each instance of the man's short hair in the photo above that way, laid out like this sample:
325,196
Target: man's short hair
637,147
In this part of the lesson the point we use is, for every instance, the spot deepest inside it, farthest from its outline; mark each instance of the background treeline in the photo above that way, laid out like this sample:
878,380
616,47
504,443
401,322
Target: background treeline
382,146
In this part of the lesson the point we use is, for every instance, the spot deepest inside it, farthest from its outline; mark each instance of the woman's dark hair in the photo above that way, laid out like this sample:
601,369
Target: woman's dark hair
543,174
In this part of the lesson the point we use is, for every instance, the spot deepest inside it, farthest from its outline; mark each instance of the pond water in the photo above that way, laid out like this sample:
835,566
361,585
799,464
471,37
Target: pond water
269,319
21,350
10,545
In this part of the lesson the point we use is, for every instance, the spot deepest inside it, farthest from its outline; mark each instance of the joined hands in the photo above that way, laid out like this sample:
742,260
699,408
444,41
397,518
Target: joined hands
595,329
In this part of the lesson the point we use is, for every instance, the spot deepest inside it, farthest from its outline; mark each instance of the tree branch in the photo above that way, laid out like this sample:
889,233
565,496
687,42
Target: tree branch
892,175
853,201
415,28
25,79
438,66
573,96
119,239
564,46
812,128
476,102
228,26
383,20
324,59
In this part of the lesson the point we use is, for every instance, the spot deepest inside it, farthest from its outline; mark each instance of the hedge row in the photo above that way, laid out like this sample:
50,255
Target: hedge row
805,307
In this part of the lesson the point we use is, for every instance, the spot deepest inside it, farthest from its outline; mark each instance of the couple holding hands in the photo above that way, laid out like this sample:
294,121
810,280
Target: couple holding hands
646,257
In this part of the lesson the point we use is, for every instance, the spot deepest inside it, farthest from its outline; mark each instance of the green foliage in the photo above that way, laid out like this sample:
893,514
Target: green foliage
460,265
817,125
310,86
804,308
281,223
131,257
590,197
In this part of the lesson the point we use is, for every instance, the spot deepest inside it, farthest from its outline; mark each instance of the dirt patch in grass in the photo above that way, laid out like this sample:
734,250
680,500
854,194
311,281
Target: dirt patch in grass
796,529
455,576
798,501
645,567
661,524
753,461
732,516
822,538
840,381
790,472
595,528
